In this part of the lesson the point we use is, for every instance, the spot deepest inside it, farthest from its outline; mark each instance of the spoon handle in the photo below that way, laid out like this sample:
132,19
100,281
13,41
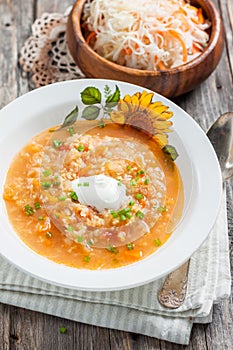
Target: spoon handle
173,291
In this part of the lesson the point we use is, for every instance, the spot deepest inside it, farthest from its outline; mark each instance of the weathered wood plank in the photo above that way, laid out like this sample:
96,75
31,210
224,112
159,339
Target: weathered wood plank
4,327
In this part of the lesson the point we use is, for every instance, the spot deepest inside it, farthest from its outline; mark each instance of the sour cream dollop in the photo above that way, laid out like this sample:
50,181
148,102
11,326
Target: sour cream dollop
100,191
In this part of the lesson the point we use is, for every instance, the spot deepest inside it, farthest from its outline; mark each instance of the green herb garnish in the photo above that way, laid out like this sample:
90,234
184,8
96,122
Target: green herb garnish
129,167
71,131
162,209
80,148
133,183
63,330
37,205
139,196
57,183
114,214
48,234
86,184
46,172
139,214
46,184
62,198
86,258
112,249
70,229
131,203
101,125
73,196
122,217
90,242
57,143
28,210
128,215
146,182
130,246
80,239
157,242
41,218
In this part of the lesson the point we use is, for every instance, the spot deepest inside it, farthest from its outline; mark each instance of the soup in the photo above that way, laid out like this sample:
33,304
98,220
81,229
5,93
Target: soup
58,185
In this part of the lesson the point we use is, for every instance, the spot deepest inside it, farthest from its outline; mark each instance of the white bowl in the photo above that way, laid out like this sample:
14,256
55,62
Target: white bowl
197,162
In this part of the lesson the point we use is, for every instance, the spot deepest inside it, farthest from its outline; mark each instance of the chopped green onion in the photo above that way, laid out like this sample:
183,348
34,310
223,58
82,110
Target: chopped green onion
119,183
73,196
146,182
130,246
131,203
162,209
46,184
41,218
139,196
139,214
90,242
129,167
137,178
71,131
157,242
142,171
86,258
112,249
133,183
48,234
28,210
79,184
101,125
70,229
57,183
63,330
80,239
86,184
46,172
80,148
128,215
114,214
122,217
37,205
57,143
62,198
56,215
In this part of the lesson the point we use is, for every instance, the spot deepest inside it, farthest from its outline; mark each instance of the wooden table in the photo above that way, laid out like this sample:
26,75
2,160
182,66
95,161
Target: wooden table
26,330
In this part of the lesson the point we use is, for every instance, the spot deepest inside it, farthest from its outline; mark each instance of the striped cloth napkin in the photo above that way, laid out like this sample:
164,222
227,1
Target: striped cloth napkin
135,310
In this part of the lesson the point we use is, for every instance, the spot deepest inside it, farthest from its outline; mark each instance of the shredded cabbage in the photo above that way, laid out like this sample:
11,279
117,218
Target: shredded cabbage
146,34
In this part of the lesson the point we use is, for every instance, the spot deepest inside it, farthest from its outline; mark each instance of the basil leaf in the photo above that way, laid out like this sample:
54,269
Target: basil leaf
91,112
70,118
113,99
171,151
91,95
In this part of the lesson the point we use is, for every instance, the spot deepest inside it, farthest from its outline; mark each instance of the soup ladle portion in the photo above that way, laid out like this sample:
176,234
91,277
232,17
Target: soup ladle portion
173,291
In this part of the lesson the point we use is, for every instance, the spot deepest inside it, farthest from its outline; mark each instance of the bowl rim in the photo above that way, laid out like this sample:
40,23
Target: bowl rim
216,31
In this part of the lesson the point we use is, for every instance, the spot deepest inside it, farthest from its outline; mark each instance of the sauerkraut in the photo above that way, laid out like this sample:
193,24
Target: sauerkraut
148,35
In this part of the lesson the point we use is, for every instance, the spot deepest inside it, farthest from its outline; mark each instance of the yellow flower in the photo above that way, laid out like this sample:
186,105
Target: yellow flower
151,117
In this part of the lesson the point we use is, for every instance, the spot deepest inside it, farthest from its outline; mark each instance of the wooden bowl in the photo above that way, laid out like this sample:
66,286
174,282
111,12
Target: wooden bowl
170,82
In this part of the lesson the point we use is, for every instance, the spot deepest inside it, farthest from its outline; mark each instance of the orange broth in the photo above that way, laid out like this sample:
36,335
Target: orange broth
55,245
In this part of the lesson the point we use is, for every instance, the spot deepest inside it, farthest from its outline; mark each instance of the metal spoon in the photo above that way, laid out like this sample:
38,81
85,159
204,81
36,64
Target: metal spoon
173,291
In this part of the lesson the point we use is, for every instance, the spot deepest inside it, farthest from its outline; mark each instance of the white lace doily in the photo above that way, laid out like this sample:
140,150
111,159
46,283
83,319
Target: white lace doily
45,54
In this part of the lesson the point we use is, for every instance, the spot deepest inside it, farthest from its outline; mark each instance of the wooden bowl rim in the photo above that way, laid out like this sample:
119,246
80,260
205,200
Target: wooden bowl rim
216,32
